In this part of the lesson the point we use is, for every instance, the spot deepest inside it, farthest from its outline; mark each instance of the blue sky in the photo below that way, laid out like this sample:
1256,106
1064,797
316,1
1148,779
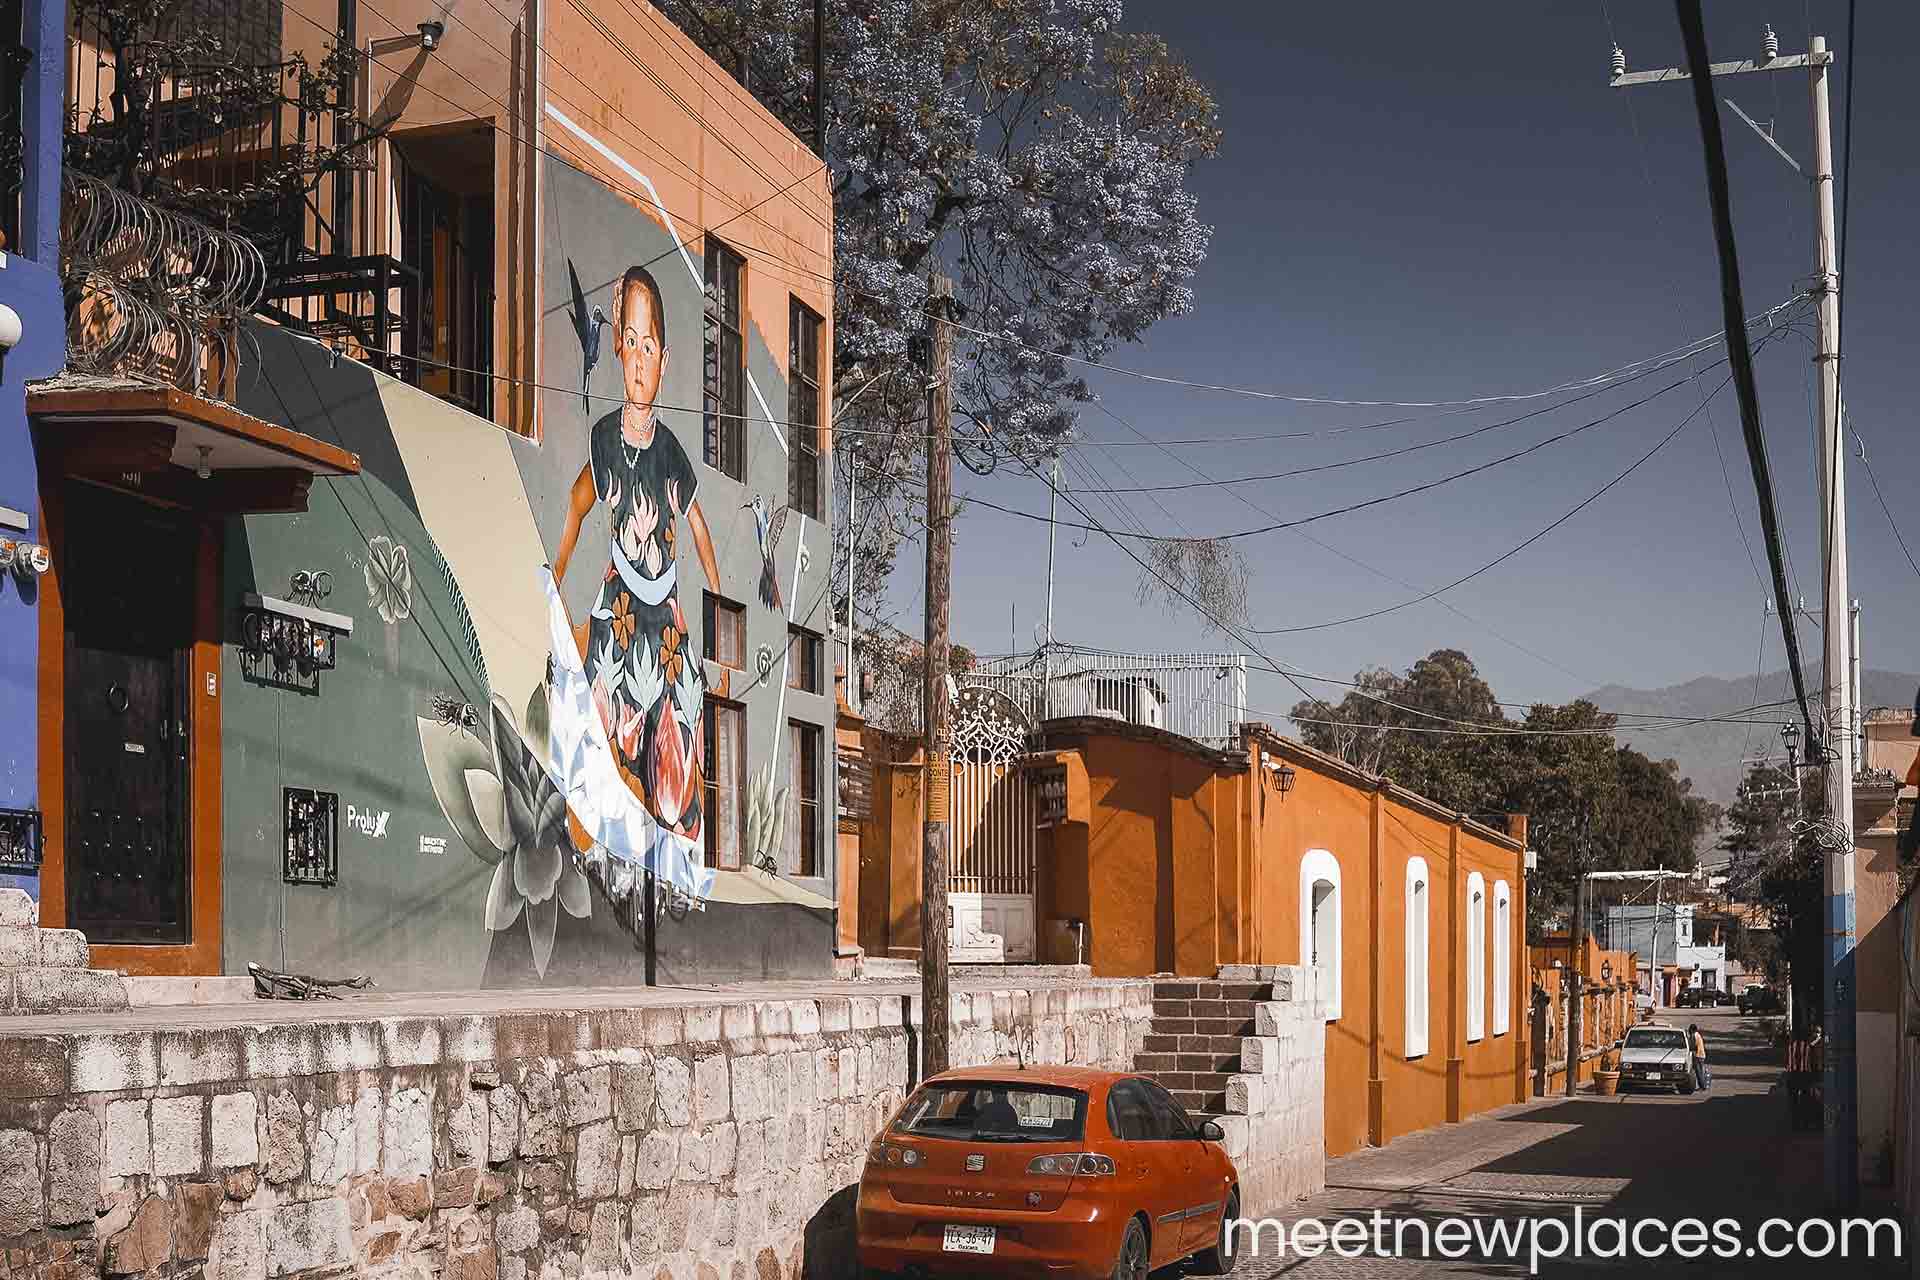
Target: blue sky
1421,203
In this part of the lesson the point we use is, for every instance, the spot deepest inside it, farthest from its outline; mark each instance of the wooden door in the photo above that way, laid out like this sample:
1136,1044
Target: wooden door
129,609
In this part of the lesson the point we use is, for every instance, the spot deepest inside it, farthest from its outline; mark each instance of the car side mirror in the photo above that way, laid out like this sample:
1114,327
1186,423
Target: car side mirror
1209,1131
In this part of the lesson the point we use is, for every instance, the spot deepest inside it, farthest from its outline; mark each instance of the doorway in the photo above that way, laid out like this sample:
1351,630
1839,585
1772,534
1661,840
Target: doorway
129,621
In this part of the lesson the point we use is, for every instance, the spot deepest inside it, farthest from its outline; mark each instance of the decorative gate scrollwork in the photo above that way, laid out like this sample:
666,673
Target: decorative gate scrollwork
995,829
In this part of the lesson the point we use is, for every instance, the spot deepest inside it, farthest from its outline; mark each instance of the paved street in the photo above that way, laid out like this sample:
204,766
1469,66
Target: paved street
1727,1153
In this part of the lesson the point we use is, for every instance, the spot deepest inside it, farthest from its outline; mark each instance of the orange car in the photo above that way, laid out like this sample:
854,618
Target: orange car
1044,1171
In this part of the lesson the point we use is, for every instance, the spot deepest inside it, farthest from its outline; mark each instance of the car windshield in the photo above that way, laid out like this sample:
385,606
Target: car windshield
990,1111
1656,1040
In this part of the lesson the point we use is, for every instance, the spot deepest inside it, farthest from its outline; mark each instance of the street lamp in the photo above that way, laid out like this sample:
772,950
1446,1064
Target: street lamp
1790,734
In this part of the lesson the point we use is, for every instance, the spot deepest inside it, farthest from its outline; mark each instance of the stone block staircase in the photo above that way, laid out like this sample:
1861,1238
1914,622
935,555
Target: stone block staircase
45,970
1213,1042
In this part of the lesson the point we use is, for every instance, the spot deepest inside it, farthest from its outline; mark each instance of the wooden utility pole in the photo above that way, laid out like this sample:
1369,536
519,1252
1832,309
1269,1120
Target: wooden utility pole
935,1009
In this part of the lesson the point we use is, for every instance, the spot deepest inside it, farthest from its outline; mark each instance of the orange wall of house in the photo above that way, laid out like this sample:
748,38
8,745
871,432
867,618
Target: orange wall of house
742,171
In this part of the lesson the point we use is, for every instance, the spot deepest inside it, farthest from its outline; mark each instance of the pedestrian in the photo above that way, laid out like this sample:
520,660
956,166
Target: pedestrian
1801,1055
1698,1043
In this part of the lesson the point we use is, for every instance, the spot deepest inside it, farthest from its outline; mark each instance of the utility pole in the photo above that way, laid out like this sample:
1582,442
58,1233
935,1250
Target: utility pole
937,714
1837,749
1046,658
1659,899
1576,984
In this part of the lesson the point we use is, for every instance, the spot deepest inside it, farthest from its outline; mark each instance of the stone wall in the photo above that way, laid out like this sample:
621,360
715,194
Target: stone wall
702,1142
1276,1121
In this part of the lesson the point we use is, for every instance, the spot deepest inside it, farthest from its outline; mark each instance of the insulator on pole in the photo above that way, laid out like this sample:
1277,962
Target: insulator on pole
1620,61
1769,44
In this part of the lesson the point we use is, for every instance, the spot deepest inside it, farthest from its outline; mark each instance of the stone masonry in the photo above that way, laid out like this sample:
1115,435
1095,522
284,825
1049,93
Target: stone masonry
1248,1049
45,970
713,1141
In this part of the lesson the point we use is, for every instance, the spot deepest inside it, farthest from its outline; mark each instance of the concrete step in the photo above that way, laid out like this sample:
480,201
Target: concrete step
146,993
43,989
25,946
17,908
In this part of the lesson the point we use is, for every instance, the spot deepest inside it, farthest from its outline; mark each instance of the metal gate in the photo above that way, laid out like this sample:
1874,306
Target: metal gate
990,883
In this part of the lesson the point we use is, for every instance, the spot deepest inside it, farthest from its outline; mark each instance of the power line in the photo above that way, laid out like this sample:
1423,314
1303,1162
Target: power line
1383,498
1504,556
1706,107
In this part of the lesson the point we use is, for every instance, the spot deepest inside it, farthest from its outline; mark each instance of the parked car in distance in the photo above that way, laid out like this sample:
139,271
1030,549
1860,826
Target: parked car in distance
1044,1171
1656,1055
1692,998
1723,998
1759,1000
1643,1004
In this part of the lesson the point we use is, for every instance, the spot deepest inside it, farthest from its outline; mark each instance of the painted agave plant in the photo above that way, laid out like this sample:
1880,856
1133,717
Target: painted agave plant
508,812
766,820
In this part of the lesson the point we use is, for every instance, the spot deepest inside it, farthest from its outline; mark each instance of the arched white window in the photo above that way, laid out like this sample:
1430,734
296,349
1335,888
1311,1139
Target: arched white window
1417,1002
1476,957
1502,958
1320,927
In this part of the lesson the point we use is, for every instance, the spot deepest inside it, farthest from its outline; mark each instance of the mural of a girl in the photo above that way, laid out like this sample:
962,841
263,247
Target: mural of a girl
647,687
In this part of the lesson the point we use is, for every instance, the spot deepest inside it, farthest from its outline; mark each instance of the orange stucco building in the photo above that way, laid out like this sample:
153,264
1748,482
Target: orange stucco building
1171,856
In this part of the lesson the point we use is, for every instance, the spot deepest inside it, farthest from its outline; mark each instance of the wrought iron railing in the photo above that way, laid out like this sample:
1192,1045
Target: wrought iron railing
1202,696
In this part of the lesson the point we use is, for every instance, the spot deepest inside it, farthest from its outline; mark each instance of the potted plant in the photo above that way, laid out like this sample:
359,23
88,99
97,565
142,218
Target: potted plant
1606,1077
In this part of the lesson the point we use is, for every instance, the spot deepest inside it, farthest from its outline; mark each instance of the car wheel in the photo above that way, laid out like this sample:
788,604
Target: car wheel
1218,1261
1133,1253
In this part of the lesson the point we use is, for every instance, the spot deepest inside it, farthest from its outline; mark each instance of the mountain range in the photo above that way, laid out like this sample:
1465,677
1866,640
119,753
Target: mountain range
1712,753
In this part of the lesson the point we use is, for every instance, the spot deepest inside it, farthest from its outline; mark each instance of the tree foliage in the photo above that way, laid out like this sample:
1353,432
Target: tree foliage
1440,730
1035,152
1782,869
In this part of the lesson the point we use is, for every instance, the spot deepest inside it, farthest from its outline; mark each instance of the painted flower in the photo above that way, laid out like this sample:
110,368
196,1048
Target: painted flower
627,730
389,576
670,768
670,659
668,535
508,812
623,622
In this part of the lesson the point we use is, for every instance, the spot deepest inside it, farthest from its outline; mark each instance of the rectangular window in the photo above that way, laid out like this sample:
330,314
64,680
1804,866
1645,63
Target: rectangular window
803,660
724,363
803,411
725,638
1417,954
803,815
444,188
1476,959
726,747
1502,957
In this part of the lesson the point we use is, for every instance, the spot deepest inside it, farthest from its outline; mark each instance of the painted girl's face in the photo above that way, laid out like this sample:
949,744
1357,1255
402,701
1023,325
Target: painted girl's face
643,356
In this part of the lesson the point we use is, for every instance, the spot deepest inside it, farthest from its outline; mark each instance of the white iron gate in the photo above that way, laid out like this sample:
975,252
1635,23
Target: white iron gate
990,879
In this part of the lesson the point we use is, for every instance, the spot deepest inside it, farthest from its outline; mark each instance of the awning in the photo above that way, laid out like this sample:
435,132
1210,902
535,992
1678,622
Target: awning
177,447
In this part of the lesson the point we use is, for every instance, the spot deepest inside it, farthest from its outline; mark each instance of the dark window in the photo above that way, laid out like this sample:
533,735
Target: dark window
726,747
803,411
445,188
724,363
964,1110
803,819
1171,1116
725,641
803,660
1130,1115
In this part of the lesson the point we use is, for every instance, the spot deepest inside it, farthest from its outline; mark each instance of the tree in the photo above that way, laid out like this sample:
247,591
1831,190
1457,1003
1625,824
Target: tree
1591,803
1780,863
1037,153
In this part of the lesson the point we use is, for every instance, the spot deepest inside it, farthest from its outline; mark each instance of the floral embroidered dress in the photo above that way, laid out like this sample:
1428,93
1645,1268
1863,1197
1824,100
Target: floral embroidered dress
647,689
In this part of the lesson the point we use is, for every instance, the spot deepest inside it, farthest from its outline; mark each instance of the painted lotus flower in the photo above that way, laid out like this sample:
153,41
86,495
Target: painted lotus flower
508,811
389,574
670,775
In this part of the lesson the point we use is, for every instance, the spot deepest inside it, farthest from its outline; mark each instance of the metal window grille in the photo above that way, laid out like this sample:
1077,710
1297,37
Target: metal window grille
20,841
803,823
311,831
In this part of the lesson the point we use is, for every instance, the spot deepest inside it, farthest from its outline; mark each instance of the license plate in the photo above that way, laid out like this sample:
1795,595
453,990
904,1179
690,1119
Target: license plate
968,1240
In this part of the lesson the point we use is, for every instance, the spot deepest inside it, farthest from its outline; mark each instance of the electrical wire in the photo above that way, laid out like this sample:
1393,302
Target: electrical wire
1382,499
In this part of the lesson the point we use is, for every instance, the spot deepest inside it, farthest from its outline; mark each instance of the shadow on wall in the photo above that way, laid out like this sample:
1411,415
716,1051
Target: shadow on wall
829,1238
